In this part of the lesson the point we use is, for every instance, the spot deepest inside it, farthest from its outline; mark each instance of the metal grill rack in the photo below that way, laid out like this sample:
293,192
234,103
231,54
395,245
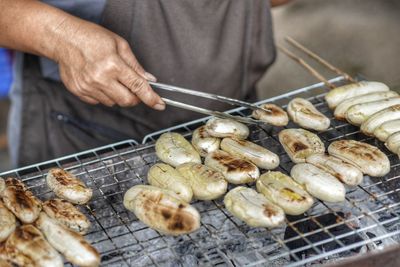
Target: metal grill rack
369,219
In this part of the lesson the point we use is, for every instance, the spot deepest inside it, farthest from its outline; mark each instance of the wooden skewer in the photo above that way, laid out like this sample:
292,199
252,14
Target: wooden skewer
319,59
314,72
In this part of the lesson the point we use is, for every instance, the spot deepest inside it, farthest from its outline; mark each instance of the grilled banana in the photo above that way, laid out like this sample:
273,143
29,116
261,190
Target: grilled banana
284,192
235,169
66,186
7,222
300,143
2,185
302,112
340,110
392,113
203,142
393,142
67,214
227,128
254,153
20,201
345,172
162,210
369,159
253,208
277,116
337,95
318,183
164,176
69,243
359,113
206,183
386,129
28,247
174,149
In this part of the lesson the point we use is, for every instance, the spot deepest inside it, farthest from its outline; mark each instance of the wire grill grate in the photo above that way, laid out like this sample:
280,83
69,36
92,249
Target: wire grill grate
367,220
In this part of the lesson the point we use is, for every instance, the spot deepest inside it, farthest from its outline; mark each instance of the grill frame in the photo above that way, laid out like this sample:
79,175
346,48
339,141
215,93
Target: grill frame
123,240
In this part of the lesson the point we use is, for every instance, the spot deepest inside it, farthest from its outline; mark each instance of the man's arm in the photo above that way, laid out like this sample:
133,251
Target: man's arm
96,65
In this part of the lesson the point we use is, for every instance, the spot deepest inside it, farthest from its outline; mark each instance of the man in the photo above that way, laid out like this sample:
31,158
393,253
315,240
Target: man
100,93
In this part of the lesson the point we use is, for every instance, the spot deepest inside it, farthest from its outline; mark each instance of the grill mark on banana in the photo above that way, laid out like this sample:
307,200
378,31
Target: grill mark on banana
69,243
206,183
67,186
369,159
392,113
66,214
253,208
277,116
174,149
226,128
303,112
20,201
300,143
386,129
7,222
345,172
341,109
318,183
337,95
235,170
283,191
252,152
162,210
28,247
203,142
165,176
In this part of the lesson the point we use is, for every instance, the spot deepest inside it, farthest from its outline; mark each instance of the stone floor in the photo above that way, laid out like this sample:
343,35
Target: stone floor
359,36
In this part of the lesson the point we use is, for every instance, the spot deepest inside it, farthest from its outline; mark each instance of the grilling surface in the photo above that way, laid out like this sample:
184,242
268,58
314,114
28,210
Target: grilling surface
367,220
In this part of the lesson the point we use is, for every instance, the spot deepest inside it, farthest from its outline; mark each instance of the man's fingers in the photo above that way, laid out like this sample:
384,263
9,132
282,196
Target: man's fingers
89,100
121,95
141,88
126,54
103,98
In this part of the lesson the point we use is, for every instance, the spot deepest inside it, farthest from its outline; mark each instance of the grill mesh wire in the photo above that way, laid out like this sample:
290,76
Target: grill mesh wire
370,213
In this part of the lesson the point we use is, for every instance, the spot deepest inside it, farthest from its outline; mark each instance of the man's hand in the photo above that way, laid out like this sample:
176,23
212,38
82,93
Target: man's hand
96,65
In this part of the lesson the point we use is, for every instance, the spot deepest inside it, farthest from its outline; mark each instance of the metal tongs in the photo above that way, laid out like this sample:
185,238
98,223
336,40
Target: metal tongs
231,101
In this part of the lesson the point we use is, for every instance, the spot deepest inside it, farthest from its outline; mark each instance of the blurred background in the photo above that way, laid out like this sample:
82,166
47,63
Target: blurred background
361,37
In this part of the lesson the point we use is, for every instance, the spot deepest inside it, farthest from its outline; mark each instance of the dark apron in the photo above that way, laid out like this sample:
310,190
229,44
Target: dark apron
216,46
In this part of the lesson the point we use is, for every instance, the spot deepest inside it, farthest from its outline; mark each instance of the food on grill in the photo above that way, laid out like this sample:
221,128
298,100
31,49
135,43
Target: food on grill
69,243
345,172
162,210
66,214
174,149
203,142
318,183
226,128
28,247
337,95
20,201
369,159
7,222
386,129
165,176
206,183
393,142
277,116
4,262
377,119
66,186
340,110
253,208
284,192
254,153
303,112
2,185
235,169
300,143
359,113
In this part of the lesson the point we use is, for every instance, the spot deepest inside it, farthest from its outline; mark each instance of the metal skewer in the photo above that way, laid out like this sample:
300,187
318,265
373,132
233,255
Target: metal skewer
319,59
304,64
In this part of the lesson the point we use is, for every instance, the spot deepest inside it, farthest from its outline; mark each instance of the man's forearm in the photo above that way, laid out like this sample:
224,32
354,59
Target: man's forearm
33,27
